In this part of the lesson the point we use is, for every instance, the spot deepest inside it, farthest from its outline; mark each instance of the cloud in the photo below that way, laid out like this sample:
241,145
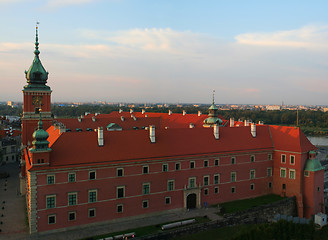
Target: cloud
165,65
311,36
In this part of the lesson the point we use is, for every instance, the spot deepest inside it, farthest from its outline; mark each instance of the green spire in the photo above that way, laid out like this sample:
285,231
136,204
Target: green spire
40,136
212,115
37,76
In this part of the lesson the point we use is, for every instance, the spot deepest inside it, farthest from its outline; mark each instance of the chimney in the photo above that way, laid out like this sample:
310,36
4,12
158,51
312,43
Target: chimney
134,118
152,133
146,115
184,112
143,111
191,125
122,118
120,111
232,122
100,136
253,130
216,131
246,123
199,113
131,110
170,112
62,129
93,118
79,119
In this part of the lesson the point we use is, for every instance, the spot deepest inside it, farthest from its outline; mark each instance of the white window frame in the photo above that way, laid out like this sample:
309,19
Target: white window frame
119,205
292,171
71,194
194,182
168,185
217,162
252,159
206,163
235,176
92,209
68,177
92,171
145,167
50,196
120,169
216,175
74,212
269,169
208,180
51,176
120,187
283,169
283,156
145,186
192,163
52,215
290,159
92,191
169,198
145,201
252,172
165,167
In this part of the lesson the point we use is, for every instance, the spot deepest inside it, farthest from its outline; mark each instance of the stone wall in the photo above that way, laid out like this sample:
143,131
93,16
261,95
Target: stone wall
261,214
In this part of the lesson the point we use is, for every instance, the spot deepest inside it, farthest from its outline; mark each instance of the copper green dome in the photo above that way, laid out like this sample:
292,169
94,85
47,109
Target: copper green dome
313,165
40,136
212,116
36,75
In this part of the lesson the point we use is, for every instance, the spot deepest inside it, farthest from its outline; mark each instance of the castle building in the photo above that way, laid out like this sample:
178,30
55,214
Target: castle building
102,167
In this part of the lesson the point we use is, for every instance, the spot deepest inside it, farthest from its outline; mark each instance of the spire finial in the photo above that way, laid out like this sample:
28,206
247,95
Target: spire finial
40,123
213,95
36,52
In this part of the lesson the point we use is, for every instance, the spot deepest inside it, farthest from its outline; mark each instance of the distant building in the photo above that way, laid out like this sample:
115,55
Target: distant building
273,107
80,171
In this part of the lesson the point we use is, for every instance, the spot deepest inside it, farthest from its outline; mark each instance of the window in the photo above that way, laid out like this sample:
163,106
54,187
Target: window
119,172
269,156
216,162
233,189
292,159
72,199
120,192
177,166
51,219
92,212
206,180
119,208
216,178
145,204
192,182
269,172
252,174
167,200
170,185
233,176
192,164
165,167
146,188
92,196
252,186
92,175
145,169
50,179
71,216
306,173
216,190
283,172
205,163
233,160
206,191
51,201
318,189
270,184
71,177
292,174
284,186
283,158
252,158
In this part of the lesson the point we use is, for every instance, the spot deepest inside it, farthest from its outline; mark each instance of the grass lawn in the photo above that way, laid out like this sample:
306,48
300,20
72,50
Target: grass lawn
240,205
142,231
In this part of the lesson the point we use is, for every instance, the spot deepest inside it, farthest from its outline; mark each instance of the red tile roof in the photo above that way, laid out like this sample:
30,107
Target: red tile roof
121,146
290,139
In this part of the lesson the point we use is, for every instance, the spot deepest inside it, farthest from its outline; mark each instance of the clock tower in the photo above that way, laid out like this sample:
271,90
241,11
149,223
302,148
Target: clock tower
37,97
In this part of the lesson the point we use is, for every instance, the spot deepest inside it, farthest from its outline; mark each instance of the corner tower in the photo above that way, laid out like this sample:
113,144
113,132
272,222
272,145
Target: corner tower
37,96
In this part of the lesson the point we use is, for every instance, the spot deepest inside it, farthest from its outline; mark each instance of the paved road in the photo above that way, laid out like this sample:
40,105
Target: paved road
12,205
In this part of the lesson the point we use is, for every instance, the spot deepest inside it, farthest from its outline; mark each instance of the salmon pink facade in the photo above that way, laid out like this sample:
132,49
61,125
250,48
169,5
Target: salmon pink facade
103,167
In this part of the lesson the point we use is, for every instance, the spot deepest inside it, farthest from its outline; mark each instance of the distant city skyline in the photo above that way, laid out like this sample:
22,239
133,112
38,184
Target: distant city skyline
250,52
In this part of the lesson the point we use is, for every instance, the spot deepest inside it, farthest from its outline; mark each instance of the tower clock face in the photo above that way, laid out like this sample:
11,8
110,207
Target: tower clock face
37,100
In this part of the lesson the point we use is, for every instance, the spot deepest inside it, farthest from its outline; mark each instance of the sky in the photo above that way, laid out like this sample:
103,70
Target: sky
171,51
